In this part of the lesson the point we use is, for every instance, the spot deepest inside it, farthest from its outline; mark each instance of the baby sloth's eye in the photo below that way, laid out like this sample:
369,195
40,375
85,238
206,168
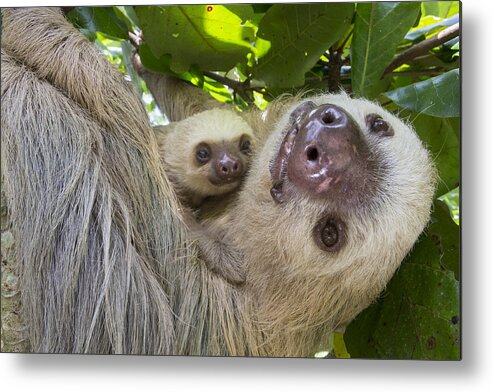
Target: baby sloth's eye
203,154
376,124
246,146
330,234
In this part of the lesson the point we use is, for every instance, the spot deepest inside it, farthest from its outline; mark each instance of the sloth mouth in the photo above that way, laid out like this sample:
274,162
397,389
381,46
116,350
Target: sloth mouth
324,154
222,182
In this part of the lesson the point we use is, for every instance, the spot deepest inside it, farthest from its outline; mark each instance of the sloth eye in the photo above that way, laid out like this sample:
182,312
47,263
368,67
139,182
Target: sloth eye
203,154
376,124
330,234
246,146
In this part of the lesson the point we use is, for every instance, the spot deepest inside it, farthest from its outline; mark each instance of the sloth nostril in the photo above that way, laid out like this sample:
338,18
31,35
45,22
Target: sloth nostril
312,154
224,169
329,118
235,167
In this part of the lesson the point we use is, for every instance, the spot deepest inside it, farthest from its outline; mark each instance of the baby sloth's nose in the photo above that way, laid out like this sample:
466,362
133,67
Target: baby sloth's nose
328,147
229,168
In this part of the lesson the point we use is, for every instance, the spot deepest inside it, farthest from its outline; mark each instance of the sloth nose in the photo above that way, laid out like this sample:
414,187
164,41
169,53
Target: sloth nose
228,168
327,149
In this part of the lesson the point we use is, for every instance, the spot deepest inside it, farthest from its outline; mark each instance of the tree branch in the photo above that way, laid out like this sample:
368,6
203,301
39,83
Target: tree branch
334,70
239,87
423,47
135,40
234,84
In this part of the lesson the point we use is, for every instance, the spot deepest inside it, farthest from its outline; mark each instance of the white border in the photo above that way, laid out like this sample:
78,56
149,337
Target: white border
473,373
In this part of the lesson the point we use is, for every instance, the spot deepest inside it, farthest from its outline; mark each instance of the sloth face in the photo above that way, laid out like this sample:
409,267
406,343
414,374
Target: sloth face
209,152
223,162
349,182
325,156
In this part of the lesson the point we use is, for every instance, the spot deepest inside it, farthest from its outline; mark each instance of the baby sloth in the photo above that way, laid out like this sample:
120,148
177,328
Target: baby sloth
206,156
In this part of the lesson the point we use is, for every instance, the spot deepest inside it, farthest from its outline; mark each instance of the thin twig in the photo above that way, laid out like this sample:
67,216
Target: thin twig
134,39
236,85
423,47
335,63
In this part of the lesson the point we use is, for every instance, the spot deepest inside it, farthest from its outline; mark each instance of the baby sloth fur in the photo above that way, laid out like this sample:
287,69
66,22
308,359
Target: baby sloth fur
206,157
337,192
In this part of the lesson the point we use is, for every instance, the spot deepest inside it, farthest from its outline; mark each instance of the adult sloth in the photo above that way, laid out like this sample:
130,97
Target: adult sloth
337,193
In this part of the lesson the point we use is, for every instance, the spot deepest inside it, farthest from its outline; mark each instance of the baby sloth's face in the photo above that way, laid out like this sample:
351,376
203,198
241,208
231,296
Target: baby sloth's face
223,162
217,149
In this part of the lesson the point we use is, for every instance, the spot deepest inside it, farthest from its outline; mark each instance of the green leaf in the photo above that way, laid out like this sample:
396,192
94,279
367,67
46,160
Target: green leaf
451,199
378,30
418,315
359,334
100,19
152,63
299,35
438,96
441,137
127,52
338,346
441,9
261,8
440,248
243,11
425,30
210,37
127,15
217,90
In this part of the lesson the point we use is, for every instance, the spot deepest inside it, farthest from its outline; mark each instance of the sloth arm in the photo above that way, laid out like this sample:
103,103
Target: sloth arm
219,256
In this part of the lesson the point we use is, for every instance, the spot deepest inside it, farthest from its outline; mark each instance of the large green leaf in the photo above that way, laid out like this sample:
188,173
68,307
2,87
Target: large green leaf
438,96
418,315
211,37
441,137
299,35
378,30
101,19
